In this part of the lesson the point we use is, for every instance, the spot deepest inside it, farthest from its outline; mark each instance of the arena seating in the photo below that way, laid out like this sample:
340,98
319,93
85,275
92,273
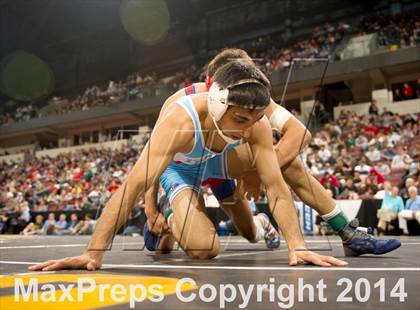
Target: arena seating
399,32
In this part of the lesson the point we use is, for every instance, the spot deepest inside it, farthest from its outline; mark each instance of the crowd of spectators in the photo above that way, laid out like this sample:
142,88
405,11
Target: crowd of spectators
375,156
354,155
62,226
270,53
82,180
134,86
398,31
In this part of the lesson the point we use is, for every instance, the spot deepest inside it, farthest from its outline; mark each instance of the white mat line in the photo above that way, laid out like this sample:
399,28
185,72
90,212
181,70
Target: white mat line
249,268
74,245
132,243
249,253
71,245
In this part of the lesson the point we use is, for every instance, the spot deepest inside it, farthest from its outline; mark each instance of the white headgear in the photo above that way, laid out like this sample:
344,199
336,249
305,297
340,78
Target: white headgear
218,98
217,102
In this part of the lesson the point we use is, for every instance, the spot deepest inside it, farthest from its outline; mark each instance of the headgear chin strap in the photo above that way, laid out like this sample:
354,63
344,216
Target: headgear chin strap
227,139
217,102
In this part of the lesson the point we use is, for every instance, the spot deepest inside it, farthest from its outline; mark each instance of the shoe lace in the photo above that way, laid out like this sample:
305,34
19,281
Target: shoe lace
361,235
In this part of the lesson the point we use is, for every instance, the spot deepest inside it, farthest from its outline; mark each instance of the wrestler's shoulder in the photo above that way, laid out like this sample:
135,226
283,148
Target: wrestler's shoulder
177,116
196,88
200,87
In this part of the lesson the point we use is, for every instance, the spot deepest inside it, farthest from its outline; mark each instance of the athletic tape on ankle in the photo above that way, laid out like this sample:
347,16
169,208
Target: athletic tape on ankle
259,231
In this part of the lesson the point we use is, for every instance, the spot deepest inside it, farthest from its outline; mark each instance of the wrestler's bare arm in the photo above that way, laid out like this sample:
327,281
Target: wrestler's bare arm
154,159
150,199
295,136
155,219
151,195
279,197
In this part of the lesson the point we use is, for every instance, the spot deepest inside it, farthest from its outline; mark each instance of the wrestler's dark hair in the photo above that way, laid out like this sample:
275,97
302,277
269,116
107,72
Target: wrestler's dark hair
224,57
250,95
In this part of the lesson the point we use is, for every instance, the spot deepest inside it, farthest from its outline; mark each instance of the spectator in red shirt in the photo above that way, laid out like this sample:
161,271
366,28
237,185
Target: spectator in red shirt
379,177
113,186
407,91
328,176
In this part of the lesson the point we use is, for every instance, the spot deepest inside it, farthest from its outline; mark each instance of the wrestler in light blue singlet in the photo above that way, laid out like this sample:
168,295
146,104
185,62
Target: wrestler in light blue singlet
187,170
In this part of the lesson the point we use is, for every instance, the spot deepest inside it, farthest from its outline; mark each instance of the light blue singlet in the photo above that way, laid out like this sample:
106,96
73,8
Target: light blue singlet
188,170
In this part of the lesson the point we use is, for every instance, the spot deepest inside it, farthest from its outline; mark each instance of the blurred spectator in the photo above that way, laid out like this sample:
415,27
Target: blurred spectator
74,220
324,153
24,212
373,108
387,186
373,154
49,225
391,205
411,210
349,190
402,160
383,168
376,177
3,223
321,114
362,168
407,91
85,227
397,95
404,191
61,224
34,228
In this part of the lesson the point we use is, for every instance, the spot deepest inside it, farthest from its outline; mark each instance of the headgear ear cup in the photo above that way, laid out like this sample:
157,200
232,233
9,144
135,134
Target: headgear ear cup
217,101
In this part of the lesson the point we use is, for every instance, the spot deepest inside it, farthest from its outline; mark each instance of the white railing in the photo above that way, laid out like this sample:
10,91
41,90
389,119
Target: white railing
55,152
17,149
12,158
400,107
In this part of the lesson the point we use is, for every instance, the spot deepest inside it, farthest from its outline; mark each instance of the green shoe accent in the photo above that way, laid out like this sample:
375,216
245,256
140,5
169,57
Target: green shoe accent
167,213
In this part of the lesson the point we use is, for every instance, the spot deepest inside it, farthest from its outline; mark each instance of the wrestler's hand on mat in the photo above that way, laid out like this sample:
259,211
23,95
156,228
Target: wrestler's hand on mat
250,185
84,261
157,224
309,257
